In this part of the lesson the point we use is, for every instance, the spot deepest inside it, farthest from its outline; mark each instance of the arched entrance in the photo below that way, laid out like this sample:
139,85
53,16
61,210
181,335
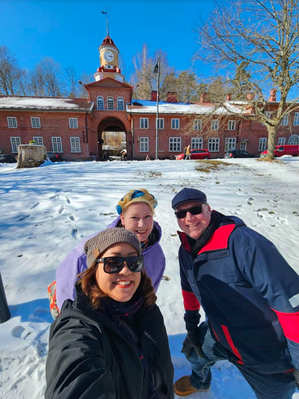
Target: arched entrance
114,125
293,139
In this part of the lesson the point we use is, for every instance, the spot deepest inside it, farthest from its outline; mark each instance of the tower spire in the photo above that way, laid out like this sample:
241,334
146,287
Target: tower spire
106,13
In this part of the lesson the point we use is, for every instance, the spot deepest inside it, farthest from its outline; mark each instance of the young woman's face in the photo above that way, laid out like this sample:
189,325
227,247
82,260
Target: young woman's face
121,286
138,218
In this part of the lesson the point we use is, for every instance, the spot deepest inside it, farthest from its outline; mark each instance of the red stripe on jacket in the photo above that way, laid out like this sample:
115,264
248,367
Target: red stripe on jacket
190,301
290,324
231,344
219,239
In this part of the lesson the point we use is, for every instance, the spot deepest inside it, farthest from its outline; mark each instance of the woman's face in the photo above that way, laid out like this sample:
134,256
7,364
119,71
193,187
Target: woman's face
138,218
121,286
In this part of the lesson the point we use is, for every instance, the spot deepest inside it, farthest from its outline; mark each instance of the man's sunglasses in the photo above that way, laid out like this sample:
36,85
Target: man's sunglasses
194,210
114,264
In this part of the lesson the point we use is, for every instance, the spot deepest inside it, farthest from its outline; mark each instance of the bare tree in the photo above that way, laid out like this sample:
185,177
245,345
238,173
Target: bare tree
10,73
254,46
71,80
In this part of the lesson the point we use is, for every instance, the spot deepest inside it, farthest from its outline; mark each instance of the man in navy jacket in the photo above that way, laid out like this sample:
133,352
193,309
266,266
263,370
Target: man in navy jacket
250,296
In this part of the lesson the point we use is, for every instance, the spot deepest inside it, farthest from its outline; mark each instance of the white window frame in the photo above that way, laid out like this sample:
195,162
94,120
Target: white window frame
75,144
294,140
214,144
281,140
100,100
73,124
12,122
230,144
175,144
285,120
56,144
175,123
231,124
268,114
120,104
160,122
197,124
262,144
15,142
144,144
214,124
196,143
35,122
143,123
243,145
38,140
110,103
296,119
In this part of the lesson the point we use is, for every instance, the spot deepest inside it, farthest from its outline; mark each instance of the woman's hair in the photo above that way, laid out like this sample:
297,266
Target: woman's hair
140,195
91,289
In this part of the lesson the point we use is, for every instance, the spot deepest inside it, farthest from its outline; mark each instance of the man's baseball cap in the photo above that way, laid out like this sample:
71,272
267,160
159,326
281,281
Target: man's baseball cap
188,195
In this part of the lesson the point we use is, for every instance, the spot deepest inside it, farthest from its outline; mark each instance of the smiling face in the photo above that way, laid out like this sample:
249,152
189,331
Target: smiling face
194,225
138,218
120,286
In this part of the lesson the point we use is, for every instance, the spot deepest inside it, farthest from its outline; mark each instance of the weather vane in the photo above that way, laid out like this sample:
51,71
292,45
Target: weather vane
106,13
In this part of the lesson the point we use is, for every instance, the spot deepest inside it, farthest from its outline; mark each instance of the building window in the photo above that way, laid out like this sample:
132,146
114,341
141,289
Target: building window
12,122
243,145
160,122
120,103
174,143
230,144
38,140
285,120
175,123
232,125
73,123
262,144
214,124
268,114
294,140
75,144
56,144
35,122
197,124
15,142
143,123
281,140
144,144
296,119
110,103
196,142
214,144
100,102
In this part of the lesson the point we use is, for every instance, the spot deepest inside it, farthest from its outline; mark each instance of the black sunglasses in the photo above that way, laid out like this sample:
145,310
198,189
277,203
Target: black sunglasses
114,264
194,210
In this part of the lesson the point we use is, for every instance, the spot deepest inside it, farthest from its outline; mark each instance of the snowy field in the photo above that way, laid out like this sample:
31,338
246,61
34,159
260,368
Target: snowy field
45,211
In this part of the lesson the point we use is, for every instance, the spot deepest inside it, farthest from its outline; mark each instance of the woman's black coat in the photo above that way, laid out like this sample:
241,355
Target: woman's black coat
90,359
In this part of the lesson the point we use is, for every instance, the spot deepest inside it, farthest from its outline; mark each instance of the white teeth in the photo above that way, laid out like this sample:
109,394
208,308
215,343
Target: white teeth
141,232
123,282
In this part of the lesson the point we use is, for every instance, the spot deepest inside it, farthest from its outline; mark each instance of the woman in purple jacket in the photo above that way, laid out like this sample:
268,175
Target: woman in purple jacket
136,211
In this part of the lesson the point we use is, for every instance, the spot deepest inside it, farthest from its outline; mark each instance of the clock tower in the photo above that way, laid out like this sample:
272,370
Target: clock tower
109,62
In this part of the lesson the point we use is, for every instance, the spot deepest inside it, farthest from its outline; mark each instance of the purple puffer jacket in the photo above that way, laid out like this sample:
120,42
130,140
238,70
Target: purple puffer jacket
75,263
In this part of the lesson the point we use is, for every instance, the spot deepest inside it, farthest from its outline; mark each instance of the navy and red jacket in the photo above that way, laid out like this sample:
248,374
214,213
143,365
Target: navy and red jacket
249,293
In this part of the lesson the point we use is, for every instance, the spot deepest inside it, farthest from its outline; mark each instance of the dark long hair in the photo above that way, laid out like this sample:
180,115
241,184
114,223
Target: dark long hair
91,289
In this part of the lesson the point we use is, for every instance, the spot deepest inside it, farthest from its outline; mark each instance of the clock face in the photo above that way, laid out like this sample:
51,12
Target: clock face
108,55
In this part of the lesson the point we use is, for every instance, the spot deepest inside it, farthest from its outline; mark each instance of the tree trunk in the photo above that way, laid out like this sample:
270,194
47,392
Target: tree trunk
30,156
271,141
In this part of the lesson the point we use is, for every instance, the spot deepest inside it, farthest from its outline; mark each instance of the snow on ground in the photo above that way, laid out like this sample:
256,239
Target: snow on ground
45,211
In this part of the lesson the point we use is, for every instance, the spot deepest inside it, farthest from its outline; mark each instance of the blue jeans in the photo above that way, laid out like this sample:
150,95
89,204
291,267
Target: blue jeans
265,386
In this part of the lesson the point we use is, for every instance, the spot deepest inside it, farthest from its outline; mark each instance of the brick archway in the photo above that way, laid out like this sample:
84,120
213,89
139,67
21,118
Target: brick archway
112,124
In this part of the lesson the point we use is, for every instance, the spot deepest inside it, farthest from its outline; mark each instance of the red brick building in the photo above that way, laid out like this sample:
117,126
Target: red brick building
74,126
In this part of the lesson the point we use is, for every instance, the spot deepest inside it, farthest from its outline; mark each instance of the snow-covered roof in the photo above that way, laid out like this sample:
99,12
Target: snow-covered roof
150,107
46,103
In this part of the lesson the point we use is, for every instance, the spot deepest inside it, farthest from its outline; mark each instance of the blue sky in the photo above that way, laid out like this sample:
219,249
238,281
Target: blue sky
70,31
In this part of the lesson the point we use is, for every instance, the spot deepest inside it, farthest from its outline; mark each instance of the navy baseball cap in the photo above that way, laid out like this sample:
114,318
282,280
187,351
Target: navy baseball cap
188,195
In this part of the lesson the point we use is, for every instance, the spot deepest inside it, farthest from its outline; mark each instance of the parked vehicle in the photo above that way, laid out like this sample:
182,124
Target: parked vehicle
285,149
54,157
6,158
196,154
238,154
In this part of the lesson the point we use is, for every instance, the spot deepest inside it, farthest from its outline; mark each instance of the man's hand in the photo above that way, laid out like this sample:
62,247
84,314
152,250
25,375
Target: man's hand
192,342
296,375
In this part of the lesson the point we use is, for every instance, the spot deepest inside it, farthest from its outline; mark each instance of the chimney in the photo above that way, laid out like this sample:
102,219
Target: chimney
172,97
228,97
272,95
154,95
204,98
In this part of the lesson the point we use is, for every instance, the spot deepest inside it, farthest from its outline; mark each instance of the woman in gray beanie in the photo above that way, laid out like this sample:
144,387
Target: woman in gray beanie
110,342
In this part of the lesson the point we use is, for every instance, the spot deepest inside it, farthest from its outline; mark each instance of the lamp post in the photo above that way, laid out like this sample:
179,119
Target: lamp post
157,71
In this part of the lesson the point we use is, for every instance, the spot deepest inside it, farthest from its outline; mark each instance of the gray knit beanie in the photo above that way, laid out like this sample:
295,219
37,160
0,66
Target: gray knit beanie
102,241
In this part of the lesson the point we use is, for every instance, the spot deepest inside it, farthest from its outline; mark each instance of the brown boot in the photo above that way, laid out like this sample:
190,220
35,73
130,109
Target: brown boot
183,387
